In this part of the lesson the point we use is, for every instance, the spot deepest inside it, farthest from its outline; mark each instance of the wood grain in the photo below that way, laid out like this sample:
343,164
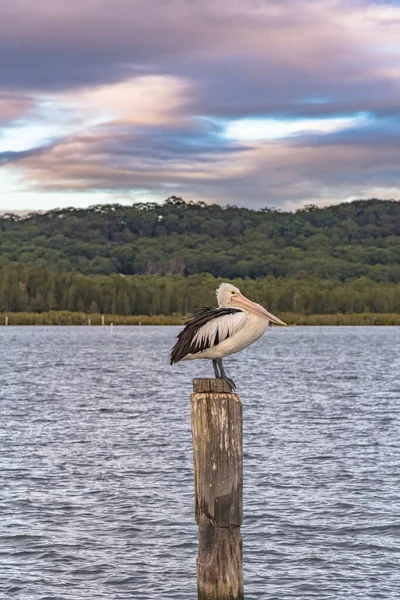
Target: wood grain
218,473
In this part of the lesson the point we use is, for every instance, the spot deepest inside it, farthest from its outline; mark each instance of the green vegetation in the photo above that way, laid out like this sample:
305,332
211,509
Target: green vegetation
79,318
147,259
346,241
65,317
25,289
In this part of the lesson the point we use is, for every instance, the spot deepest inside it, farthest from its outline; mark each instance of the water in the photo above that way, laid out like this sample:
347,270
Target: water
96,490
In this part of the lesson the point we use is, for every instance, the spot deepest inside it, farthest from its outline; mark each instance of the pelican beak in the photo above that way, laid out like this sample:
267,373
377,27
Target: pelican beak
242,302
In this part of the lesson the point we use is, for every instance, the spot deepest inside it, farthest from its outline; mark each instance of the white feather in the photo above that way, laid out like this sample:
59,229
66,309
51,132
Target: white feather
247,328
226,326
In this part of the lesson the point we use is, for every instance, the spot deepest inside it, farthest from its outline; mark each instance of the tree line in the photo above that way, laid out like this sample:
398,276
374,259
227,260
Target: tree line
31,289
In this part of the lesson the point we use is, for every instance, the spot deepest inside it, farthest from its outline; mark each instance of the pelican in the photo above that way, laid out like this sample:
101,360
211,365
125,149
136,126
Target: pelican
214,333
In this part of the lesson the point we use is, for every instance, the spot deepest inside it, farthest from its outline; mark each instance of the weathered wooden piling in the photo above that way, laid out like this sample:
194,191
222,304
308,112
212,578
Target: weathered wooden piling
217,430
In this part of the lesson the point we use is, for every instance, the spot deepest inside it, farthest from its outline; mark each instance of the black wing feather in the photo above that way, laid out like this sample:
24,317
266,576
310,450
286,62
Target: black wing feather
185,344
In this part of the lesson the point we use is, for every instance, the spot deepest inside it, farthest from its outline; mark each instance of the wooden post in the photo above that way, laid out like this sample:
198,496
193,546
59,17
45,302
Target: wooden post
217,425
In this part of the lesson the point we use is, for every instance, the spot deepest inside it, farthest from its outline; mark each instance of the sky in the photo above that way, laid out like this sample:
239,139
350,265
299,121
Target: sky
255,103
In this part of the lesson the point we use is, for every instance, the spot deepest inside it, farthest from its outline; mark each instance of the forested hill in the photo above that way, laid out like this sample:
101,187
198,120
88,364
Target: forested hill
340,242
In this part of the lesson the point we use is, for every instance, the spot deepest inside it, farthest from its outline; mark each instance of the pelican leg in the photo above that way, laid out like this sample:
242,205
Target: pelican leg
217,373
224,375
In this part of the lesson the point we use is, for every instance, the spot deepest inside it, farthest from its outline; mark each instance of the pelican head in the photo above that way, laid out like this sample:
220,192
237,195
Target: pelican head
229,296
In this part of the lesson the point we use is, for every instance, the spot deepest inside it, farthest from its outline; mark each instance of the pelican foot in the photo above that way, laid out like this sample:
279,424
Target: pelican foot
223,375
230,382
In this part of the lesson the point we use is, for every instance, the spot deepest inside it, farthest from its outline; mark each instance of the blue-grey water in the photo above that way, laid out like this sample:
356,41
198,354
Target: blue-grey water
96,480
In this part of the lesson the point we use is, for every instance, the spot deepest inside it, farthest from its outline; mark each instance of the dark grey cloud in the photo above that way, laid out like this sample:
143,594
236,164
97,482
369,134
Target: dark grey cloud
253,57
10,157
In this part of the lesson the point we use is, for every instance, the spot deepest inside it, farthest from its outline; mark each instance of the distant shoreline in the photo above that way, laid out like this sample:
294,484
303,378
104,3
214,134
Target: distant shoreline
66,318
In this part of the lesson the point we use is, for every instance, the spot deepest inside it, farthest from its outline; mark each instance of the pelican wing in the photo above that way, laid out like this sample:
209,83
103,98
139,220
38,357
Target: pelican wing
206,329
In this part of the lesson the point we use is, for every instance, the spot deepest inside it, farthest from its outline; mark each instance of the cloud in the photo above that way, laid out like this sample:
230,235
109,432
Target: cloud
267,53
250,102
281,173
13,106
274,129
15,156
144,100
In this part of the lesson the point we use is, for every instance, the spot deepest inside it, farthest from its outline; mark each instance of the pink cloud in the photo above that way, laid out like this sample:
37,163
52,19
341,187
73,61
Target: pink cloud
13,106
143,100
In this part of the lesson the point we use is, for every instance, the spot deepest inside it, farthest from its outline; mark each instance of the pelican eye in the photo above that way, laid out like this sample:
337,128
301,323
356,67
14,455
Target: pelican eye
233,293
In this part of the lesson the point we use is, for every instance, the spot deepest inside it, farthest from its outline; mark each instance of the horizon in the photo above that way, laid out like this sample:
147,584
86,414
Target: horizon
254,105
28,213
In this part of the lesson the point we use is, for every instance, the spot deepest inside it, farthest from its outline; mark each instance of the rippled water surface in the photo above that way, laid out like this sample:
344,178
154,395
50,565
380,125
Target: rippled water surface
96,490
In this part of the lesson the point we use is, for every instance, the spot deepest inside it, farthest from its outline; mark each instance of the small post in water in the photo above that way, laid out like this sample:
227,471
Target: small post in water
6,320
217,426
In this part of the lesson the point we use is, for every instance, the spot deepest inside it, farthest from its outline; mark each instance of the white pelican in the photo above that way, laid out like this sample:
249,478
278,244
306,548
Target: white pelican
214,333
